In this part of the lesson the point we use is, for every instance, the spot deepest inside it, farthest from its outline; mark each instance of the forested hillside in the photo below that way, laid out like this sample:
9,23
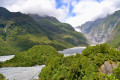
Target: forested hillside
19,32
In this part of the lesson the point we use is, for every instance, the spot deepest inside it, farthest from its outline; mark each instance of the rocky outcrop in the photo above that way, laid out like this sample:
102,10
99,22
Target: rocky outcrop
107,67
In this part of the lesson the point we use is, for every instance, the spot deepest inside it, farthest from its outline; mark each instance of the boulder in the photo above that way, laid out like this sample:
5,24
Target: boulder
107,67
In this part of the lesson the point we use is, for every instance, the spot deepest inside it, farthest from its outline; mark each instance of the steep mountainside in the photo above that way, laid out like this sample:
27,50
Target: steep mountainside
61,32
19,32
115,37
101,30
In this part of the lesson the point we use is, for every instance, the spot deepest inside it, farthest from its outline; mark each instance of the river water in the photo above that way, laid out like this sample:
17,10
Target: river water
72,51
4,58
30,73
21,73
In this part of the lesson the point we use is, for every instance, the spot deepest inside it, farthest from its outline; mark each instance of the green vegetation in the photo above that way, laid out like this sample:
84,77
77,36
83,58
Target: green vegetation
19,32
115,75
36,55
83,66
63,33
2,77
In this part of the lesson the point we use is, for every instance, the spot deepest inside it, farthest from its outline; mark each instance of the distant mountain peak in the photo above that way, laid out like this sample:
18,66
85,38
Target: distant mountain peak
4,13
3,9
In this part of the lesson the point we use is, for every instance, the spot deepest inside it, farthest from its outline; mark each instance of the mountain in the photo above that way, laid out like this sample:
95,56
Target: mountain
38,18
102,30
61,32
19,32
90,25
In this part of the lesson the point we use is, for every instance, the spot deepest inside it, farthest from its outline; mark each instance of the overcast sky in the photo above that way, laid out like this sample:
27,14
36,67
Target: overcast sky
74,12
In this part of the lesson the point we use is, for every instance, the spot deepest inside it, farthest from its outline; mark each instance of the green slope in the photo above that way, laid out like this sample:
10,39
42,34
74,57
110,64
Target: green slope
19,32
2,77
62,32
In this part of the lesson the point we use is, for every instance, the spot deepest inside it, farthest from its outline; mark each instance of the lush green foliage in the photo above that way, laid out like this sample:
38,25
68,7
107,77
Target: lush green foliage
115,75
36,55
2,77
83,66
19,32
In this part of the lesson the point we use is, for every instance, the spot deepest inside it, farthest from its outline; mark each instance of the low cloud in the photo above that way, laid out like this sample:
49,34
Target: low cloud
89,10
41,7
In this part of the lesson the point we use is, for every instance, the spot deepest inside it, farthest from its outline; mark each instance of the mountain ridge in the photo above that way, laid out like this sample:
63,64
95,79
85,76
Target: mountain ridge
38,18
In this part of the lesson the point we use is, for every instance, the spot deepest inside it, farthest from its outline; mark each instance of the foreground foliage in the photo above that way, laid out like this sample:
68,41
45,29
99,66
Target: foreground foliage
115,75
36,55
83,66
2,77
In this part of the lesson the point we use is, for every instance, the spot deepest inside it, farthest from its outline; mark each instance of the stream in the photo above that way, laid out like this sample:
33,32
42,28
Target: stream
72,51
21,73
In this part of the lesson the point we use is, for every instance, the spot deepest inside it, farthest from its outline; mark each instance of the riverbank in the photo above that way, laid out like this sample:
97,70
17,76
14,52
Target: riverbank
21,73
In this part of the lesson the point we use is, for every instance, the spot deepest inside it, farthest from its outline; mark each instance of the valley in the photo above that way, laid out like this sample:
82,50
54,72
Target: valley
30,73
43,48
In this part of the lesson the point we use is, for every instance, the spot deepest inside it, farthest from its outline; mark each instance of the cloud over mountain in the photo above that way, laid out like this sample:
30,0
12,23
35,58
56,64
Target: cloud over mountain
74,12
87,10
41,7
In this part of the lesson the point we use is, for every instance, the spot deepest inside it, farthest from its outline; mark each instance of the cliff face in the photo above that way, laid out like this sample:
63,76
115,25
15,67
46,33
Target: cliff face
100,30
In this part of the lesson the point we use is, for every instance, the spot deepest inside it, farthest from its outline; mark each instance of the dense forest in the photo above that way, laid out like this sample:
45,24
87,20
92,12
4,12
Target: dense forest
83,66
